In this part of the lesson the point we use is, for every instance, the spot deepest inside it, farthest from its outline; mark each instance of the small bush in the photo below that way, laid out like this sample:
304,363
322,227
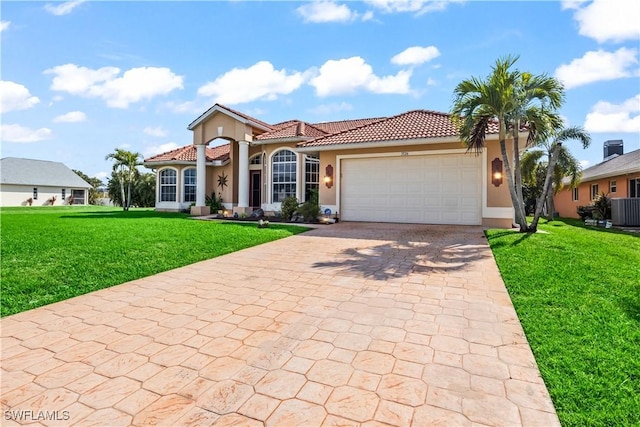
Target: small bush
585,212
310,210
289,206
215,203
602,206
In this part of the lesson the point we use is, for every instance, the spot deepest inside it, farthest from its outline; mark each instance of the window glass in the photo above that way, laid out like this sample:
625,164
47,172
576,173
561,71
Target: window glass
190,185
283,174
311,176
168,184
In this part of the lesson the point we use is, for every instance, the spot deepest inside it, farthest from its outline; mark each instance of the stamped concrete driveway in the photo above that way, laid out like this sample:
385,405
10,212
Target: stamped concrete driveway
348,324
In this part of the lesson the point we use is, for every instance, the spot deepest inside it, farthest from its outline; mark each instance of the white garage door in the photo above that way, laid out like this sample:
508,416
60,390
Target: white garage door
429,189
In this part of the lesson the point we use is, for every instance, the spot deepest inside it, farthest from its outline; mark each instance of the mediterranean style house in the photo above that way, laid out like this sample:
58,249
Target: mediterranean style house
39,182
617,176
408,168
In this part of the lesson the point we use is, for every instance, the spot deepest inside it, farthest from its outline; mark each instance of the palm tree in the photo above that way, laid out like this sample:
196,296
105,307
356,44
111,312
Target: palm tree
125,167
513,100
559,164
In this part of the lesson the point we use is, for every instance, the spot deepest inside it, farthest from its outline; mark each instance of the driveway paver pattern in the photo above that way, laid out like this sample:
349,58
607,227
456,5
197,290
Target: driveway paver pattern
348,324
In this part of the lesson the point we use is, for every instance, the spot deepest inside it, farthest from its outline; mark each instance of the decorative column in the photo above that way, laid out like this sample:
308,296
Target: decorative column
201,175
243,174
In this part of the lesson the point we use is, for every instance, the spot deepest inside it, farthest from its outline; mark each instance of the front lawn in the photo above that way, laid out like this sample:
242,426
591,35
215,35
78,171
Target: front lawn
53,253
577,294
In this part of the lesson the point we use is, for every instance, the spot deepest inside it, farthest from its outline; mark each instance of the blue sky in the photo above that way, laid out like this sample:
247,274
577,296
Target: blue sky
81,78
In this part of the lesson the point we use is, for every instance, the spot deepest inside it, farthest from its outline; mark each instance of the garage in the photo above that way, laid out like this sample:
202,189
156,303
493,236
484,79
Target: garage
427,189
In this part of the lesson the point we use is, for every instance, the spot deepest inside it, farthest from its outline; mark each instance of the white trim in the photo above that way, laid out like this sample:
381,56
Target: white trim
217,108
396,143
270,174
156,165
505,213
158,186
182,173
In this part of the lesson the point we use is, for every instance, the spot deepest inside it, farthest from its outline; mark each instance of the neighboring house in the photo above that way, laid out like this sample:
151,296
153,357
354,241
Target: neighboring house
407,168
617,176
40,181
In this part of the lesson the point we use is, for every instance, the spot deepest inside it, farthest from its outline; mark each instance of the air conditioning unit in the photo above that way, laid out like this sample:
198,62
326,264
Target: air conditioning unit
626,212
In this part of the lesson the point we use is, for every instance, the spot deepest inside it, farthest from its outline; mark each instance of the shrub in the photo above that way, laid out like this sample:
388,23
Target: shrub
215,203
289,206
310,210
585,212
602,206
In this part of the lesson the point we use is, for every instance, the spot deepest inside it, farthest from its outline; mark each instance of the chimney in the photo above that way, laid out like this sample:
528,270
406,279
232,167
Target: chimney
611,147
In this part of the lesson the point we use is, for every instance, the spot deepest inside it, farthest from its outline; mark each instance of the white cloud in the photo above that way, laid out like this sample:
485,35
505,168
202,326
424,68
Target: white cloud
152,150
584,163
604,20
260,81
21,134
156,131
416,55
102,176
344,76
326,11
419,7
431,82
71,117
133,86
607,117
327,109
63,8
598,66
15,97
4,25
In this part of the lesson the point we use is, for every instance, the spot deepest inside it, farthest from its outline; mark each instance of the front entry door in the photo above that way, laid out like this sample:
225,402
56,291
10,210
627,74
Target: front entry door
254,190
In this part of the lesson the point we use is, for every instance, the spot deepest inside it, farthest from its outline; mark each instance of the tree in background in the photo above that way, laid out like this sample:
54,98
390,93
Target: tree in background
514,100
143,193
94,192
125,169
559,163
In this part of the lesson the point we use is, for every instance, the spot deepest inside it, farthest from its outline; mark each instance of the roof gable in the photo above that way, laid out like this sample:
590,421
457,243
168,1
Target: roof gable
237,115
19,171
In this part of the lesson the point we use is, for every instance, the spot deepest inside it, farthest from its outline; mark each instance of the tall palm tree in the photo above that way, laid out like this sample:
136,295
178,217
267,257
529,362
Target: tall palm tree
560,163
511,99
125,167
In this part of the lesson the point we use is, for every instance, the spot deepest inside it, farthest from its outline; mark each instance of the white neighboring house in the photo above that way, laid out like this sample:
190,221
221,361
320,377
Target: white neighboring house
40,181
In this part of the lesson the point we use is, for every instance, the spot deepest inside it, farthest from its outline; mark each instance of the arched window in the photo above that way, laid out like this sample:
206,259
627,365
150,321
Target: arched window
284,175
189,185
256,160
311,176
168,184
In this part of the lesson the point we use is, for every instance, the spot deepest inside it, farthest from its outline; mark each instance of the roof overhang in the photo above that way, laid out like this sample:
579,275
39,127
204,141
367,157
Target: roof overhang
218,109
376,144
154,165
628,171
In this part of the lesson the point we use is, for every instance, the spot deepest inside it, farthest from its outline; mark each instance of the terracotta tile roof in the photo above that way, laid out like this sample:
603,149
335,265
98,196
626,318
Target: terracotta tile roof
292,129
188,154
342,125
418,124
618,165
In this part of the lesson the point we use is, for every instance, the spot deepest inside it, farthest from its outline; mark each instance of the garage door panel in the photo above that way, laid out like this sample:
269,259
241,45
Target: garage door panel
435,189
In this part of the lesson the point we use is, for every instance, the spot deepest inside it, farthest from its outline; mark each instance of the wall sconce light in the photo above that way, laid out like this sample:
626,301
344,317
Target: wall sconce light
496,172
328,176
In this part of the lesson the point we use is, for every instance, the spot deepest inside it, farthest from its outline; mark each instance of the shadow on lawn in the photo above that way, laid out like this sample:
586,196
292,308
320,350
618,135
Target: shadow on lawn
497,240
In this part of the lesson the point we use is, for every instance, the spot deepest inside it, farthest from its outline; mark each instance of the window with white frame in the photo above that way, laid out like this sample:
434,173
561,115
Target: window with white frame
283,173
189,185
612,186
256,160
311,176
634,187
576,196
168,185
594,191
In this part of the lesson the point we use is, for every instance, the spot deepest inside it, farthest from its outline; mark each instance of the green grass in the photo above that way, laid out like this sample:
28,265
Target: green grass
577,294
50,254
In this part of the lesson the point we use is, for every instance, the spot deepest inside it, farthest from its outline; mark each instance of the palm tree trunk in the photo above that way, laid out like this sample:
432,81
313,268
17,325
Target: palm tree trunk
516,166
124,203
546,188
518,204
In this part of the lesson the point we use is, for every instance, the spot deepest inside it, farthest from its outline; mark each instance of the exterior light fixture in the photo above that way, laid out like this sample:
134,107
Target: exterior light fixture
328,176
496,172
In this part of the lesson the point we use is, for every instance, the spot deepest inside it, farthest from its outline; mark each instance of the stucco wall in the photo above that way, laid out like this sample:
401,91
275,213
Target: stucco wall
567,207
17,195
